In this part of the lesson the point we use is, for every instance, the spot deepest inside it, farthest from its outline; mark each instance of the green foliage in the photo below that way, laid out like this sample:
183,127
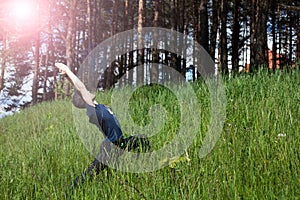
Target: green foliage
256,157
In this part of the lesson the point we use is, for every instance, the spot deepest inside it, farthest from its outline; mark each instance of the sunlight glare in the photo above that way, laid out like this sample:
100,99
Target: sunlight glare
22,11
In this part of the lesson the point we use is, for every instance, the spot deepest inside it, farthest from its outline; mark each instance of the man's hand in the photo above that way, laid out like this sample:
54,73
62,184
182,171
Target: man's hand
62,68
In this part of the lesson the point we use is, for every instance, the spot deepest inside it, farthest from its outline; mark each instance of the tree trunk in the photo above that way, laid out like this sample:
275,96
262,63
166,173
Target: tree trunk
236,37
223,39
49,90
140,56
272,65
98,29
291,24
253,21
90,25
3,63
114,19
298,41
261,38
155,56
35,81
203,33
130,54
259,34
71,35
70,41
214,28
45,78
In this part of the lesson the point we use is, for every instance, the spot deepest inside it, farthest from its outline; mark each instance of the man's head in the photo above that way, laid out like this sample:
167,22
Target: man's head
77,100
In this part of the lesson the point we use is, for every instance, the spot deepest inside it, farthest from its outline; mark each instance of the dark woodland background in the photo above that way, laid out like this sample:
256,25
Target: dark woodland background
237,34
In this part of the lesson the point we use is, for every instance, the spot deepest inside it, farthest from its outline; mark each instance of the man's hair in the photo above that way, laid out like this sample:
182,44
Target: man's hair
77,100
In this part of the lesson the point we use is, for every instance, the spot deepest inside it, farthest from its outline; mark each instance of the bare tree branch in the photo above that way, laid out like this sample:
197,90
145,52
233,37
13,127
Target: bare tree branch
290,7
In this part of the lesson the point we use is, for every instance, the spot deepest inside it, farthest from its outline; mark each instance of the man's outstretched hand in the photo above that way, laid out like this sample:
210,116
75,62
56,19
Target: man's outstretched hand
62,68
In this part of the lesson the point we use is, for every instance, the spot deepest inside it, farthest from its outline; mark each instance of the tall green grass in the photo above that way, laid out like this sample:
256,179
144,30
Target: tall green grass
256,157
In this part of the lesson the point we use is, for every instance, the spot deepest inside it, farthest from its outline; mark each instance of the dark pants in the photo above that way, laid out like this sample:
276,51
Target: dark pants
106,152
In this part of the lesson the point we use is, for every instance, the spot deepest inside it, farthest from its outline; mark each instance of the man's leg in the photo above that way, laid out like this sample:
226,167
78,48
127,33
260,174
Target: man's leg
94,169
101,161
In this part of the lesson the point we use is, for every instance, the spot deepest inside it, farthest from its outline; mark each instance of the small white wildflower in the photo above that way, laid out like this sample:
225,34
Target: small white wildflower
281,135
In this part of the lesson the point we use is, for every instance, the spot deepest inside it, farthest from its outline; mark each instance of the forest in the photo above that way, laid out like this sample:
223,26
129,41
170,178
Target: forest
241,36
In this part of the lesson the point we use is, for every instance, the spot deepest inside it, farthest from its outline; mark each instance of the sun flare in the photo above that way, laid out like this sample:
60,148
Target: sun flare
23,17
22,11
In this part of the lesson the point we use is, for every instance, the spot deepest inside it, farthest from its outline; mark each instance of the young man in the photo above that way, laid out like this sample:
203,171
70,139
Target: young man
105,120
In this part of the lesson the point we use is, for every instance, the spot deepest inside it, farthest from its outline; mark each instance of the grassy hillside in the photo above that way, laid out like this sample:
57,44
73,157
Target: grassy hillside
257,155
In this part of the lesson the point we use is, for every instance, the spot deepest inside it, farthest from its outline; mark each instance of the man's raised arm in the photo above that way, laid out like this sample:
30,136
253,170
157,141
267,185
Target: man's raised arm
86,95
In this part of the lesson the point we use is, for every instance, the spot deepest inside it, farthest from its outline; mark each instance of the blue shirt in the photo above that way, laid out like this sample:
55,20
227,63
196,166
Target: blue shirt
105,120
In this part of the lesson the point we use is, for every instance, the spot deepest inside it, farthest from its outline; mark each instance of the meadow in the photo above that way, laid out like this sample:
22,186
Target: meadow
256,157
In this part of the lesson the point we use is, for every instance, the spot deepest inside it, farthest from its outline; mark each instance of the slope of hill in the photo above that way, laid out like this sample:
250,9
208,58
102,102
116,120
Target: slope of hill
257,155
